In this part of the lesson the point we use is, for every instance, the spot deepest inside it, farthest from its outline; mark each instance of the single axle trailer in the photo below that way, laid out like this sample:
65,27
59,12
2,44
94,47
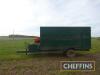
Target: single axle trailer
65,40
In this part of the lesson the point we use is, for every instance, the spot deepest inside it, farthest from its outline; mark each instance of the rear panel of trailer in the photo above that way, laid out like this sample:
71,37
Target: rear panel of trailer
61,38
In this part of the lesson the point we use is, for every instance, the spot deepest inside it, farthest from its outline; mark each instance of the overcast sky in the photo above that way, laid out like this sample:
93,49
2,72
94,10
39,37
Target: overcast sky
26,16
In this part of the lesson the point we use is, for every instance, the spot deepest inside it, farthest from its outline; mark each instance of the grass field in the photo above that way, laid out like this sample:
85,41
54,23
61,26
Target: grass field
12,63
8,48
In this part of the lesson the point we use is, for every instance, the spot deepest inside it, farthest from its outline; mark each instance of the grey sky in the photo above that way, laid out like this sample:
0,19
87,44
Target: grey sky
26,16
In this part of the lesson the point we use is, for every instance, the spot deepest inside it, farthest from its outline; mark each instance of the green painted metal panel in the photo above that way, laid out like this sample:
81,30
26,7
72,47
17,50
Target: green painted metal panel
65,37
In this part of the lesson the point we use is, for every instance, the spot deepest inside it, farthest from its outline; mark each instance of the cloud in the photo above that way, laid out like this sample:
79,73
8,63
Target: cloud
26,16
69,13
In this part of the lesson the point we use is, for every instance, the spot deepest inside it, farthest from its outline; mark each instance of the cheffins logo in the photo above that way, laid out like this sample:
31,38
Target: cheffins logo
77,65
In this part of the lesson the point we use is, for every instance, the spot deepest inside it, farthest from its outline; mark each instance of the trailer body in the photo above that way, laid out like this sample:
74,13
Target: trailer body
62,39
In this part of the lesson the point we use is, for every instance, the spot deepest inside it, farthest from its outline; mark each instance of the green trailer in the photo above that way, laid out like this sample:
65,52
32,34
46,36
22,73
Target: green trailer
62,39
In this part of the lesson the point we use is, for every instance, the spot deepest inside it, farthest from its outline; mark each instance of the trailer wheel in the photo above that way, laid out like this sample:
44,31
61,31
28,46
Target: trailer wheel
70,53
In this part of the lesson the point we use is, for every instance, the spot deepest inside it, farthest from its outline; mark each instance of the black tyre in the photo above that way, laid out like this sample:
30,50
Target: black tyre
70,53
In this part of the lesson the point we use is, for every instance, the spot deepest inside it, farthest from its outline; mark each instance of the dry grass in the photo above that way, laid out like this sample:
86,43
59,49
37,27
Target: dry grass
44,65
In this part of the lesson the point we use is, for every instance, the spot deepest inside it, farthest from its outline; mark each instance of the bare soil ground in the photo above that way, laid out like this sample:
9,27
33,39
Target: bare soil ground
45,65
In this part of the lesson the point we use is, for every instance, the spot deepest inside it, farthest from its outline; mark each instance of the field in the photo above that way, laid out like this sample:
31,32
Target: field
13,63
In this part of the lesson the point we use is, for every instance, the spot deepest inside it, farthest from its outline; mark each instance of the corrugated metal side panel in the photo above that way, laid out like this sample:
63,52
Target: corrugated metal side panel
64,37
